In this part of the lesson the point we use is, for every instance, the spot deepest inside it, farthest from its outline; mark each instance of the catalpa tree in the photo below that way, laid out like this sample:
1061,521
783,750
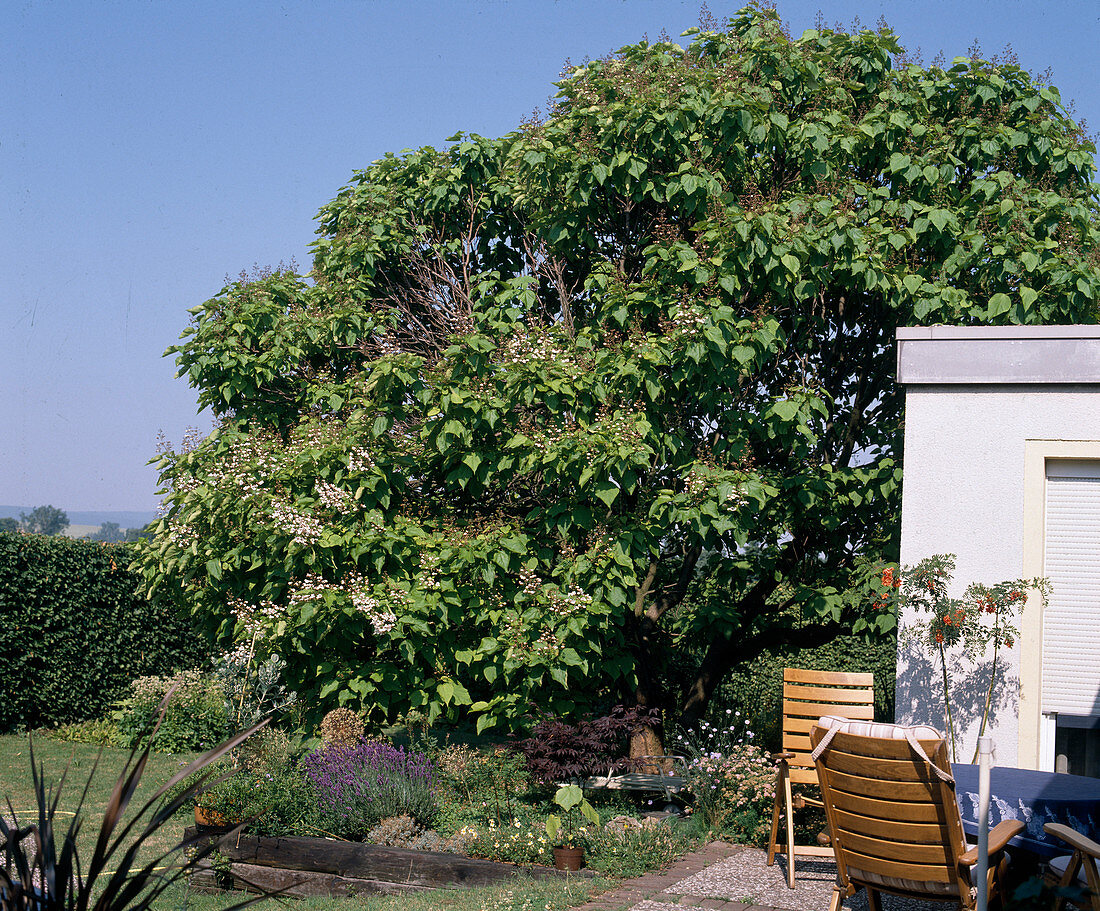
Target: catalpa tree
614,390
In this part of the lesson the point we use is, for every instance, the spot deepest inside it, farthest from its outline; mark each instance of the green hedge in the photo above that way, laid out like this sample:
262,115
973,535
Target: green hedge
756,687
73,633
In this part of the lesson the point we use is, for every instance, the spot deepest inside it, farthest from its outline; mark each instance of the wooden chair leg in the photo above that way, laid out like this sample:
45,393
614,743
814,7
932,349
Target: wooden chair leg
773,842
1092,877
1068,878
787,798
872,901
837,899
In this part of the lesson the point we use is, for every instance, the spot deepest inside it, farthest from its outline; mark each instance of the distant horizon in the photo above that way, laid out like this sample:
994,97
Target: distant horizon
125,518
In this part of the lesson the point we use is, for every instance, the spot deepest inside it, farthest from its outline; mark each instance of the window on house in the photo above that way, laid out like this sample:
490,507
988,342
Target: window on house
1071,622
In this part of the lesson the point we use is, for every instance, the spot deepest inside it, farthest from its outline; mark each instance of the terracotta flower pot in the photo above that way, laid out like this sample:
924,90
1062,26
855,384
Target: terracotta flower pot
568,858
210,819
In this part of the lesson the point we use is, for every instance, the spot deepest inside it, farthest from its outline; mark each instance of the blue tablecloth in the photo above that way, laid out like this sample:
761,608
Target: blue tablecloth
1035,798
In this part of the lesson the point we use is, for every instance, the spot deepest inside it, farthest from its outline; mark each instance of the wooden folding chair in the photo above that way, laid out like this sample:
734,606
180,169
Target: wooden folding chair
1079,868
890,801
807,695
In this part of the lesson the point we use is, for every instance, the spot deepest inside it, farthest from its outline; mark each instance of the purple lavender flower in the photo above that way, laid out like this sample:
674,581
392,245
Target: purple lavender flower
358,786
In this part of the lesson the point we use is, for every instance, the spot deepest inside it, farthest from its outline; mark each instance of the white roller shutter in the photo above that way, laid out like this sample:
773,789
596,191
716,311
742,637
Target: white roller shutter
1071,623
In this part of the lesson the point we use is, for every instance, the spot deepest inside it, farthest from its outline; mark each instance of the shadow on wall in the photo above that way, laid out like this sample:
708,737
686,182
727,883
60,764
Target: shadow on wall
920,695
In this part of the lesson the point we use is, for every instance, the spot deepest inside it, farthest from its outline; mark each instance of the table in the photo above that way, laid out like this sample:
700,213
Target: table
1035,798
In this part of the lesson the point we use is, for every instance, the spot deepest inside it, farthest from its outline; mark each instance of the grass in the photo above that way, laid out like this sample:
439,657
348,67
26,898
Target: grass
78,763
523,894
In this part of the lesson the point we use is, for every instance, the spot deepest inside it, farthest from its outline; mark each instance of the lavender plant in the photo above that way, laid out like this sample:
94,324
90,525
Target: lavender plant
359,785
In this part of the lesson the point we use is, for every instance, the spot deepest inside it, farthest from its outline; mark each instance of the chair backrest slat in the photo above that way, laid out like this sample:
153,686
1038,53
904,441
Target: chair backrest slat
859,679
933,852
898,791
919,831
807,695
911,768
888,808
935,873
834,695
802,776
814,710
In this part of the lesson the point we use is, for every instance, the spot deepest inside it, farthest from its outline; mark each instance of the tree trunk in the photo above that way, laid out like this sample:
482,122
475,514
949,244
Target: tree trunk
646,741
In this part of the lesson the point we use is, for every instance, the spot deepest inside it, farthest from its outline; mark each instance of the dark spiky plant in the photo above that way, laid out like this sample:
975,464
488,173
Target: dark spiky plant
43,870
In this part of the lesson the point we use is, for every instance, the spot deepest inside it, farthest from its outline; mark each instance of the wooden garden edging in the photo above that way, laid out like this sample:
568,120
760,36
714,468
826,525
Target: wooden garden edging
322,866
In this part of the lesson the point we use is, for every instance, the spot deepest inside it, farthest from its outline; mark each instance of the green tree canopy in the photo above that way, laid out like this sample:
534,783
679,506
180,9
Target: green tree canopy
44,520
614,392
109,532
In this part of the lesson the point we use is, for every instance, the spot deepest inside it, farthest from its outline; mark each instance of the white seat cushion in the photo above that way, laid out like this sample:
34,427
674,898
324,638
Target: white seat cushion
1058,867
921,887
879,728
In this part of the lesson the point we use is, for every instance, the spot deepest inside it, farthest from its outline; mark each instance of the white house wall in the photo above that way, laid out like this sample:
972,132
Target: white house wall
966,438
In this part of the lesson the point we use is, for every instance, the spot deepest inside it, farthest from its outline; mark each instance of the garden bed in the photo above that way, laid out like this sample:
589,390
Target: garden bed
320,866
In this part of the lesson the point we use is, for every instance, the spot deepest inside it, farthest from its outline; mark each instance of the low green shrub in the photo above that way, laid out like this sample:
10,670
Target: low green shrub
405,832
633,848
75,633
196,717
268,788
103,731
520,841
495,777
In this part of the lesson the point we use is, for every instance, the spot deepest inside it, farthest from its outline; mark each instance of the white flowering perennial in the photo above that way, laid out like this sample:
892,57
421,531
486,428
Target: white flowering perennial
732,779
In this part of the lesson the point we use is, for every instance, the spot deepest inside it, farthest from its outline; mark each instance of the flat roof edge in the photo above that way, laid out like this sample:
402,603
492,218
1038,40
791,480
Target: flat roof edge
995,333
1009,355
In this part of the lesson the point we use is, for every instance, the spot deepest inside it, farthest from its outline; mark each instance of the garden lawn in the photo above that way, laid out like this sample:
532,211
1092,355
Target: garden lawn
77,762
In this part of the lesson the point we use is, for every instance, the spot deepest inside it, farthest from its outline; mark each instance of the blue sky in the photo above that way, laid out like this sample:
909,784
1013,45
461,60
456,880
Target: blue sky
150,148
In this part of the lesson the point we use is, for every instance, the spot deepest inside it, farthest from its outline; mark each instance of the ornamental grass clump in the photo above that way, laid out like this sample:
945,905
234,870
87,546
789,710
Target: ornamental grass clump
357,786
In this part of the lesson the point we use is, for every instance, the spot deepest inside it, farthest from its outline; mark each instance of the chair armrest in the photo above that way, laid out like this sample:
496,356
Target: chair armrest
1073,838
999,836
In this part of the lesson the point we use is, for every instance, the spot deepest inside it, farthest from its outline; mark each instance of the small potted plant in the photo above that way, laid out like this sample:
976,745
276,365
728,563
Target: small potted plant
569,855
